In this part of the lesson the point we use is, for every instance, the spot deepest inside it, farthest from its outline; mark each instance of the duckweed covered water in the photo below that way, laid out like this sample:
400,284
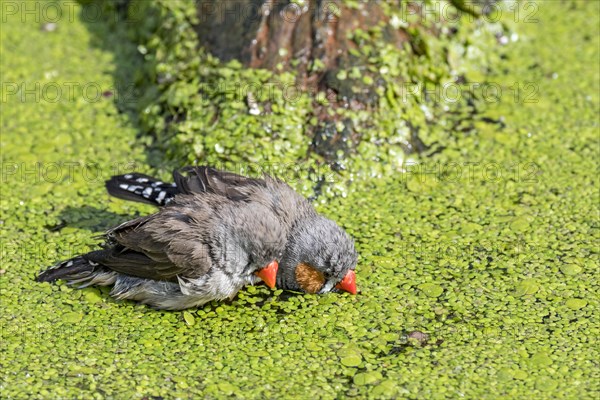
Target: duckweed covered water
478,268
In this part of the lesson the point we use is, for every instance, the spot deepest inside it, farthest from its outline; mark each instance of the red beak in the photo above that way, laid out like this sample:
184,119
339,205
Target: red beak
269,273
348,284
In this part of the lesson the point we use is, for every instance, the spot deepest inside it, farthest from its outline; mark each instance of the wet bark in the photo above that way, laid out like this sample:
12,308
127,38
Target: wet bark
282,35
311,38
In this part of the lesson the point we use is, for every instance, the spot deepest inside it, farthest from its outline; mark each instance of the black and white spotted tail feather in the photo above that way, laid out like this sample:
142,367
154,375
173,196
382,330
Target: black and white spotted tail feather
141,188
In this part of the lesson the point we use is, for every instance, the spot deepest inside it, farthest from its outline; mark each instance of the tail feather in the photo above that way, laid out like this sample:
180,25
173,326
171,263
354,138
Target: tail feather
78,270
141,188
159,294
74,268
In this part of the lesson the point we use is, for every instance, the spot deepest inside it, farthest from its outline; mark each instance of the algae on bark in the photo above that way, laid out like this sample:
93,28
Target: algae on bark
318,91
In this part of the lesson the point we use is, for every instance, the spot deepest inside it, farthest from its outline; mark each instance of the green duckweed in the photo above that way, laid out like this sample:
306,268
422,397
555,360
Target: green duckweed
487,248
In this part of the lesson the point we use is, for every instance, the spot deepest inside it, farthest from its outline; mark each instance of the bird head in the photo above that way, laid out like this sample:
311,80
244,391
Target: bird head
319,257
262,241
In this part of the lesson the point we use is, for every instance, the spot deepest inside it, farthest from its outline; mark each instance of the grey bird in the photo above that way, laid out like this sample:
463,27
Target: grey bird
196,249
319,256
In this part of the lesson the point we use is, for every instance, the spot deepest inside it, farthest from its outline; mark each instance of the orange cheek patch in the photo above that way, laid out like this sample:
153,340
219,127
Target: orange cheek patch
309,279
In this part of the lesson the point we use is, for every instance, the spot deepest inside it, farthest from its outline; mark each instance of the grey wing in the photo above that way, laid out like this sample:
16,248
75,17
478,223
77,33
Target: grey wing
202,179
162,246
273,193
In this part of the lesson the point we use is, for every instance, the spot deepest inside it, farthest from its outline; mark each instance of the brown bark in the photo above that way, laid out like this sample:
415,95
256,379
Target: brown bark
281,35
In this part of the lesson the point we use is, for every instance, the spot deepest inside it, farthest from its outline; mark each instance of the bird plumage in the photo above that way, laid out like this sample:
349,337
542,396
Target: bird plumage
141,188
196,249
312,240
